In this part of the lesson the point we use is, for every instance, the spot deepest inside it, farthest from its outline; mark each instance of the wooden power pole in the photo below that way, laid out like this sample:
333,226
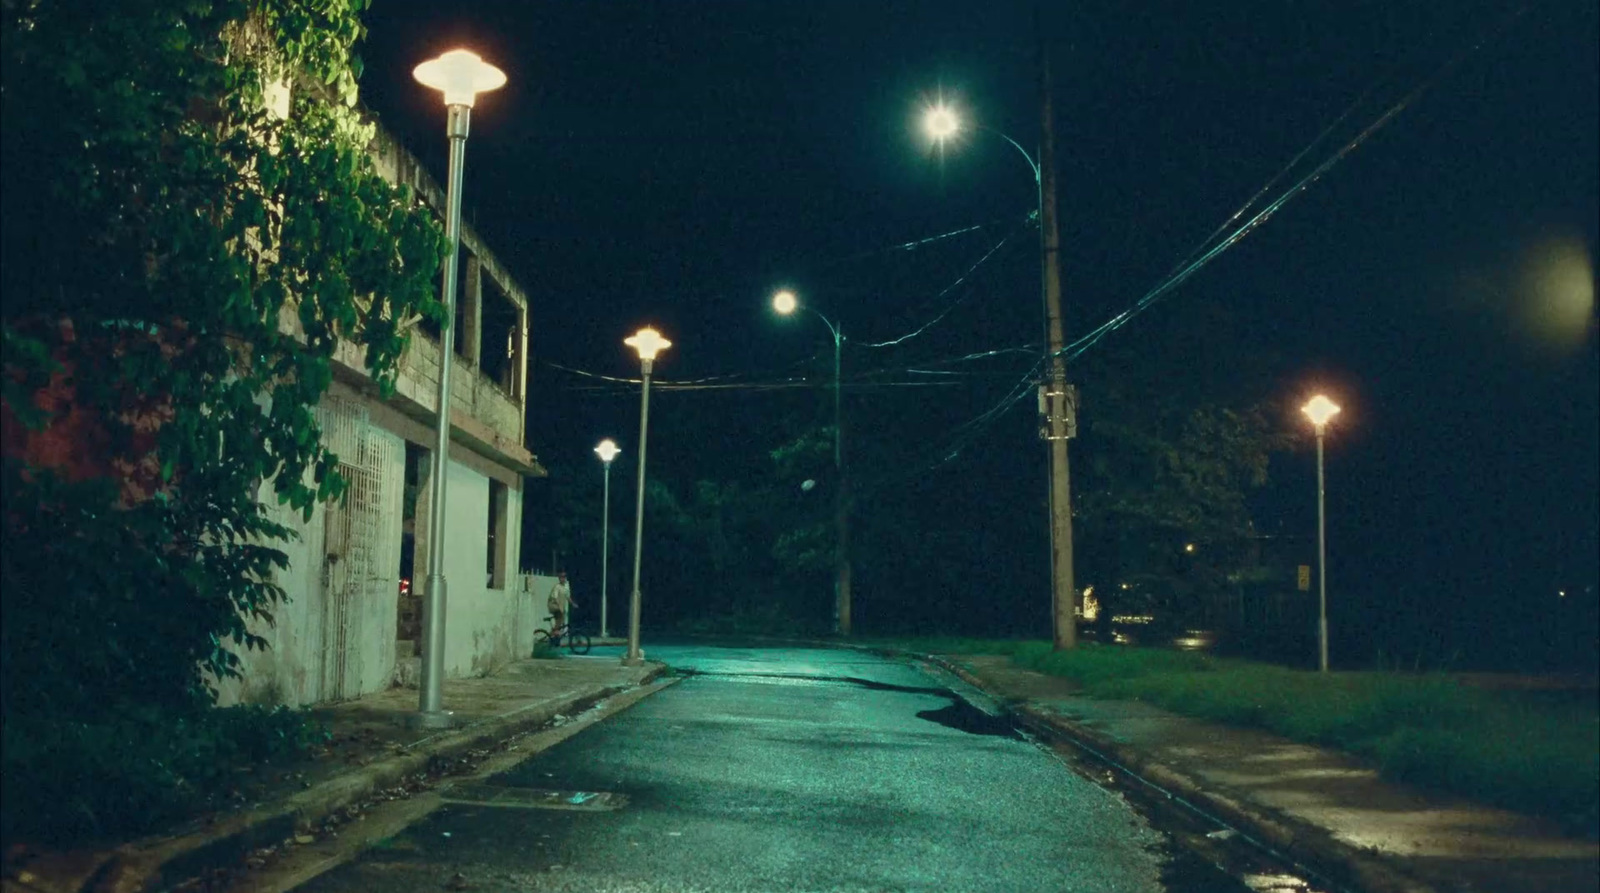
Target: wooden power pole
1058,400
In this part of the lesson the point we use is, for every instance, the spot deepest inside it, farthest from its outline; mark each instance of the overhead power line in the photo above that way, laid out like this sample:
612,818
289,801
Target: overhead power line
955,440
1192,264
942,292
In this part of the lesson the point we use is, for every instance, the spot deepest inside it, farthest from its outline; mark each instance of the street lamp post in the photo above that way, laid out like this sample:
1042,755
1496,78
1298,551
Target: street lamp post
1057,399
785,302
1320,410
460,75
648,342
608,450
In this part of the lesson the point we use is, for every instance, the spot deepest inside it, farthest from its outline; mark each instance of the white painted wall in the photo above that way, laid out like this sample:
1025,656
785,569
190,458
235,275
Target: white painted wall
484,628
288,670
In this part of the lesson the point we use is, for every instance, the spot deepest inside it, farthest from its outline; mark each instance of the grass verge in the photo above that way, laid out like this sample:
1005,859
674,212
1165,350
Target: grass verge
1531,752
946,644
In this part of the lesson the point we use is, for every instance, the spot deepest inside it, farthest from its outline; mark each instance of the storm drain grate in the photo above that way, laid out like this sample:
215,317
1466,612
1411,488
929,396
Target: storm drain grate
533,798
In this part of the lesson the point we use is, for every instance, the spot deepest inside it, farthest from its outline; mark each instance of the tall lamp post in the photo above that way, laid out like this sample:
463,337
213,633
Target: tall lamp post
460,75
786,303
608,450
1057,399
648,342
1320,410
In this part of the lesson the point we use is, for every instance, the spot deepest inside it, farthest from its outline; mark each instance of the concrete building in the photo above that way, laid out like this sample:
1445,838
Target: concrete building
352,622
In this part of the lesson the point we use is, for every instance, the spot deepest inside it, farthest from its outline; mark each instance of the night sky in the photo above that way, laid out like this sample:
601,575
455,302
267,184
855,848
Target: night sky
673,163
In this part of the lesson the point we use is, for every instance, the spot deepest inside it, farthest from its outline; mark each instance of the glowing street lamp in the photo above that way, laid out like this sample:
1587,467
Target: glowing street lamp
607,451
648,342
1320,410
460,75
940,123
786,303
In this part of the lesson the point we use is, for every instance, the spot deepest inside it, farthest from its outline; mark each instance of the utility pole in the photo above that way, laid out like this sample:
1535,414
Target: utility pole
841,502
1057,399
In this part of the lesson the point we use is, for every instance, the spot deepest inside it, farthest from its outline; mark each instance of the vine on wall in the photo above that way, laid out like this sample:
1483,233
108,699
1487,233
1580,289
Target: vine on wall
161,217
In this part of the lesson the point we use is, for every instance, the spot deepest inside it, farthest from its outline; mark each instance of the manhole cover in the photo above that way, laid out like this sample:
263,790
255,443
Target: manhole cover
533,798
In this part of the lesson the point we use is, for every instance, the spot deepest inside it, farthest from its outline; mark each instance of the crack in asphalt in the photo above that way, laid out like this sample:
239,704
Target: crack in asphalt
960,714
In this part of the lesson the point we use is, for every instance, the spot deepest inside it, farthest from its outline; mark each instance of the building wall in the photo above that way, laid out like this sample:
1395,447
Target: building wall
336,636
485,627
286,672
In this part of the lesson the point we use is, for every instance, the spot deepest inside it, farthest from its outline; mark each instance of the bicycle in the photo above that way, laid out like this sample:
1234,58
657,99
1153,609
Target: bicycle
576,642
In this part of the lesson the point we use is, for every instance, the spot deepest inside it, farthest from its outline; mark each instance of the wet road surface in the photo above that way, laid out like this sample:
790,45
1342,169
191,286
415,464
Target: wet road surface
779,769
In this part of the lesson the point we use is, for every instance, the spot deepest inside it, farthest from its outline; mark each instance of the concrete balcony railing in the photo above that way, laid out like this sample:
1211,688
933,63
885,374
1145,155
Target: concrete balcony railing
481,412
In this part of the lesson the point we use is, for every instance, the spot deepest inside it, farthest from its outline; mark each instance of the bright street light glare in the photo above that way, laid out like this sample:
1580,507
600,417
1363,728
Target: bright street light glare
940,122
648,342
785,302
608,450
1320,410
460,75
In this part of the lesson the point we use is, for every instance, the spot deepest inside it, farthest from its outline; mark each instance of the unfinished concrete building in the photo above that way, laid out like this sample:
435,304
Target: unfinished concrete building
352,622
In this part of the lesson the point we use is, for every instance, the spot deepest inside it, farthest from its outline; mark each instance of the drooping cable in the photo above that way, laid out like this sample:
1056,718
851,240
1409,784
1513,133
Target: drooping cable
942,292
1185,270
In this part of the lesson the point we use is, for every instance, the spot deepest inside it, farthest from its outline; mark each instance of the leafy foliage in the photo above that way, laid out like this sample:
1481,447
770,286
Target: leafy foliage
746,554
804,546
192,260
136,770
1167,462
723,546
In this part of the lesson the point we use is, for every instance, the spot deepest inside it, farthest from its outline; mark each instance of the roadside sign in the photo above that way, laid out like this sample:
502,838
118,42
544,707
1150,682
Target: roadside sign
1305,578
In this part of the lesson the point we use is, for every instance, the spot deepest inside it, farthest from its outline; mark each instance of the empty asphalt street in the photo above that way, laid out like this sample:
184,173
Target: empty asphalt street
778,769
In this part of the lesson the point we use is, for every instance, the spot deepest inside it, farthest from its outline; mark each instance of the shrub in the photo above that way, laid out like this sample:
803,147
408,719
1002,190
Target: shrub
136,771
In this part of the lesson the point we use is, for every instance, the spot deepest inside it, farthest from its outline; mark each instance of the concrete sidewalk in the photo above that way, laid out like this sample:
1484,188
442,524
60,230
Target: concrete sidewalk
373,755
1319,807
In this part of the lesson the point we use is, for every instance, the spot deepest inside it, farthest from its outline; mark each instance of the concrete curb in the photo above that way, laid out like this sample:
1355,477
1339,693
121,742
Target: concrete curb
155,863
1290,837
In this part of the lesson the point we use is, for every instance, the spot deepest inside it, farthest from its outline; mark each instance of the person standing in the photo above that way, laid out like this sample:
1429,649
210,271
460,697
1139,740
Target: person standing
560,603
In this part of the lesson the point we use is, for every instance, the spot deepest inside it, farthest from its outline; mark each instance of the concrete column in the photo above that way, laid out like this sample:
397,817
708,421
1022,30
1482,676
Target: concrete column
471,333
419,530
502,512
519,373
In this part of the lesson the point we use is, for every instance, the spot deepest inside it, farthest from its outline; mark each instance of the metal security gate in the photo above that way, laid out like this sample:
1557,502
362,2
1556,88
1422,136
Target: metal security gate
359,560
